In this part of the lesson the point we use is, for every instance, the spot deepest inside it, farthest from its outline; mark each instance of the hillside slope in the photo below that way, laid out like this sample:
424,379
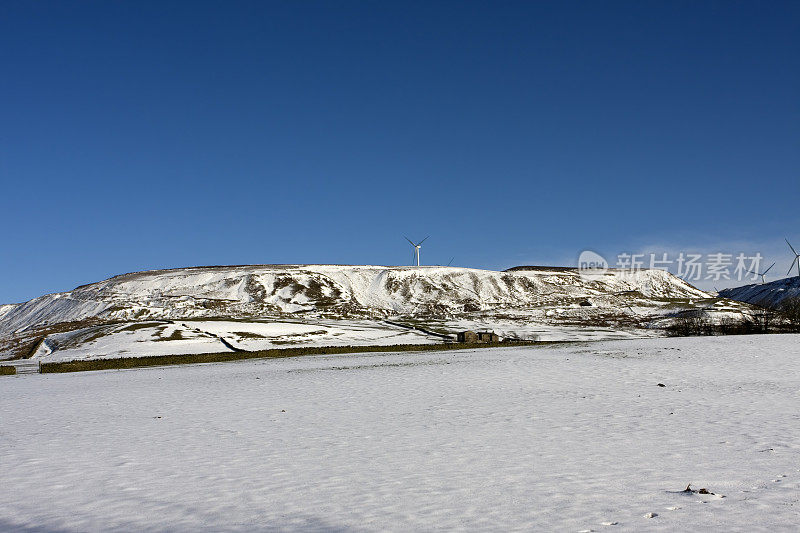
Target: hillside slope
447,298
248,291
766,295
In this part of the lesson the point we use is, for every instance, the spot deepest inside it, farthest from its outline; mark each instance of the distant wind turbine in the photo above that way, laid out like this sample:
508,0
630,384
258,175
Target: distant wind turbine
795,261
416,246
762,274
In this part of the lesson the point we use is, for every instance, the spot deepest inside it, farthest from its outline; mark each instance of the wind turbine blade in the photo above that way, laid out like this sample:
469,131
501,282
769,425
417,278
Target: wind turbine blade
792,247
792,266
423,240
409,240
451,261
767,270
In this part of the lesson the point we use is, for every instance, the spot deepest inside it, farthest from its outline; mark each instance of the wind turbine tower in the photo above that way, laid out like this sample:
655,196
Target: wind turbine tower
417,246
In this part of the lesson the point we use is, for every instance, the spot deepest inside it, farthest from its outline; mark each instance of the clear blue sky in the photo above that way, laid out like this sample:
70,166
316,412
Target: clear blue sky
142,135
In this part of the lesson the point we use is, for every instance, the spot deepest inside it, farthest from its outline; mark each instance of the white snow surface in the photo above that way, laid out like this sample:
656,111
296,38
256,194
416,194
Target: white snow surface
574,438
127,340
142,339
5,309
266,335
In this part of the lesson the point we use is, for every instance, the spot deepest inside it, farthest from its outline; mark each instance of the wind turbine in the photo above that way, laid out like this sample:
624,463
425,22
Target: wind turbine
417,246
796,259
762,274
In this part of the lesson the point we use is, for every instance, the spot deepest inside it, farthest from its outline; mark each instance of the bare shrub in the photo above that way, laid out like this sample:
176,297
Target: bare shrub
789,310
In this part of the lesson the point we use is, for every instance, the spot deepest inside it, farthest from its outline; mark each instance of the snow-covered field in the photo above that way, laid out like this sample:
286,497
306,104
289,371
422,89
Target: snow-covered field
141,339
578,437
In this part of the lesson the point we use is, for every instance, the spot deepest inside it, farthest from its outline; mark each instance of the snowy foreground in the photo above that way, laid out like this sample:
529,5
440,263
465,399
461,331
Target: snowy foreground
570,438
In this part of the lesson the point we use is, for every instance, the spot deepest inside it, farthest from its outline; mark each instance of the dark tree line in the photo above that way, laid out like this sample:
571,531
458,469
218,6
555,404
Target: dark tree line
766,318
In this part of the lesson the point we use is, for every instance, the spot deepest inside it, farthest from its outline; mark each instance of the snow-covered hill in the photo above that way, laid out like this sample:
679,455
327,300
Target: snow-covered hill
444,296
767,294
327,289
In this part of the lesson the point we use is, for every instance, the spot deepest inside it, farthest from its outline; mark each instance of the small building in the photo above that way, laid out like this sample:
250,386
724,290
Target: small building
473,337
